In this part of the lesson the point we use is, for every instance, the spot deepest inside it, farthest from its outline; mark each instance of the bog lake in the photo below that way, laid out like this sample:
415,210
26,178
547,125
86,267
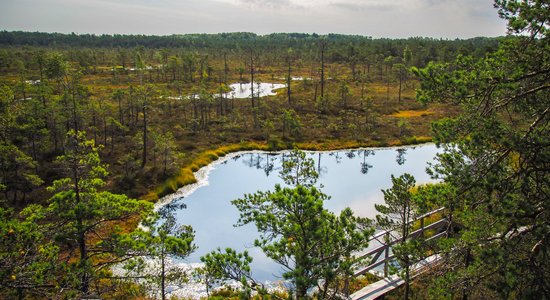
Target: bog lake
352,178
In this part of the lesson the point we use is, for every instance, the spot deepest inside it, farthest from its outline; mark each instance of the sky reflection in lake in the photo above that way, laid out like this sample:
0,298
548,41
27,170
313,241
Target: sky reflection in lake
261,89
352,178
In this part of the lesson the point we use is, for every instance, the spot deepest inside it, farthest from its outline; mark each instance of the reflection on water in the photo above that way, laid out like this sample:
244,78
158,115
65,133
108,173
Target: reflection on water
353,178
261,89
400,158
365,166
242,91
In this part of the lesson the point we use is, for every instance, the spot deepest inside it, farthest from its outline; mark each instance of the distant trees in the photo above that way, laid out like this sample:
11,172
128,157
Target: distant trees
289,60
322,48
291,124
344,95
347,49
145,95
401,73
164,144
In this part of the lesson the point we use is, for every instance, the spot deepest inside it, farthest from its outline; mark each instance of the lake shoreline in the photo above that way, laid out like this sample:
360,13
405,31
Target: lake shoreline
203,158
202,174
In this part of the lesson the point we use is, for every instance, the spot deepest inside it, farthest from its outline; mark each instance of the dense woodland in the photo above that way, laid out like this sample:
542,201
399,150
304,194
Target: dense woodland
89,124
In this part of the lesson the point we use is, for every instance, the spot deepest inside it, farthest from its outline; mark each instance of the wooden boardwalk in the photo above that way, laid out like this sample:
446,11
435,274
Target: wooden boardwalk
387,284
381,256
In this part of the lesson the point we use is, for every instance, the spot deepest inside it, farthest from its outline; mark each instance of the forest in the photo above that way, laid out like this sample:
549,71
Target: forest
351,87
94,129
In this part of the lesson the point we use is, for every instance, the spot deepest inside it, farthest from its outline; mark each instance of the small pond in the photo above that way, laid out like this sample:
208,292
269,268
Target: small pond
261,89
243,91
353,178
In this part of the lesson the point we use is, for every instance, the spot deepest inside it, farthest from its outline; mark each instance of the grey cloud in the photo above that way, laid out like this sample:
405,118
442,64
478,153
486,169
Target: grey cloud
363,7
377,18
267,3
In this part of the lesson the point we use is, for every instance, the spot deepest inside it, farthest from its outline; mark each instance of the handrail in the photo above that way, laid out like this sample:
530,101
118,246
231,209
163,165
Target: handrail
376,236
390,240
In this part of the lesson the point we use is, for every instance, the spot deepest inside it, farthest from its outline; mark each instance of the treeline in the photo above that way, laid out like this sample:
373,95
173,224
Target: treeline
340,46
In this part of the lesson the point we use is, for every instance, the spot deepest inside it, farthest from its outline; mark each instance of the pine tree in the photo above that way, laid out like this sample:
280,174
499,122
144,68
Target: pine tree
82,212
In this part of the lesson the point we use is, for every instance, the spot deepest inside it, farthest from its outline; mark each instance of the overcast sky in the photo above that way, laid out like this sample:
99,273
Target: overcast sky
376,18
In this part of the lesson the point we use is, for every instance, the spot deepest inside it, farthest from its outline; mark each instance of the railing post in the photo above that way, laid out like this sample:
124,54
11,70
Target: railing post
386,253
422,227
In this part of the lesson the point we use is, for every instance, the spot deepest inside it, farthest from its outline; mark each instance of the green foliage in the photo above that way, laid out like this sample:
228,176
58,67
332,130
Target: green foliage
81,211
18,173
291,123
56,66
399,209
398,213
219,267
496,161
344,94
298,170
311,243
156,246
28,261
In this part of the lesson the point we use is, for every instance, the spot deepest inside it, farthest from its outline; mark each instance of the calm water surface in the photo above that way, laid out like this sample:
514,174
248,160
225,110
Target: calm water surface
352,178
261,89
243,91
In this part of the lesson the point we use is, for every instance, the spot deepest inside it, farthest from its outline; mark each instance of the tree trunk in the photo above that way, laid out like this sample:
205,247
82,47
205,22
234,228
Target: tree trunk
388,89
225,67
467,261
323,69
254,110
144,158
288,81
75,122
163,277
81,238
165,161
400,86
94,126
104,131
315,94
84,288
407,281
120,115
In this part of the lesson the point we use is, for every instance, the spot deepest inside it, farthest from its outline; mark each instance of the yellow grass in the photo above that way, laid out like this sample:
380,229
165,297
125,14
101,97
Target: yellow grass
411,113
186,176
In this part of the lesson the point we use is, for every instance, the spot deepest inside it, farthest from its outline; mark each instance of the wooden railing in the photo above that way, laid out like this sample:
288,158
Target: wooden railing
381,255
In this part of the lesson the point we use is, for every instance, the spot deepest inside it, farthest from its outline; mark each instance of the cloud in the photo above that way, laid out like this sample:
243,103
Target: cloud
377,18
268,3
363,7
